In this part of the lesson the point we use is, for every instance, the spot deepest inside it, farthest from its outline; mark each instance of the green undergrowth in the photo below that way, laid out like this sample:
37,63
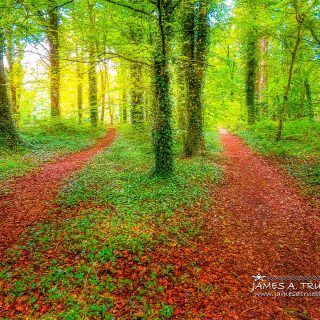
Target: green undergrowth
298,152
113,213
44,141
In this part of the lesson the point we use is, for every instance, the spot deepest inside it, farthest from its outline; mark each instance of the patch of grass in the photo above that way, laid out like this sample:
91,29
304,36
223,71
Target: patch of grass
298,152
93,263
44,141
121,177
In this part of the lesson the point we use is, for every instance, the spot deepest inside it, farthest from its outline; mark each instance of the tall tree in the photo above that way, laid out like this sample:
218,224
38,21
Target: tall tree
196,31
136,85
162,13
307,86
92,74
103,83
52,31
162,113
8,132
251,56
14,58
79,91
136,94
263,74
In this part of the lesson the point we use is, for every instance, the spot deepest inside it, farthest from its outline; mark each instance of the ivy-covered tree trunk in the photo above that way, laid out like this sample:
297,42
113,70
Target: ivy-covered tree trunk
93,88
11,64
162,130
92,74
195,28
309,98
53,39
202,47
188,70
136,94
232,68
181,102
124,111
251,57
162,113
103,82
8,132
251,73
110,100
79,93
263,75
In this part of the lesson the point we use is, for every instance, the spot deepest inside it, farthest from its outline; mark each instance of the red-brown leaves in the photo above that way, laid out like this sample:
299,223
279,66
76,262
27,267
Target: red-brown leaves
33,196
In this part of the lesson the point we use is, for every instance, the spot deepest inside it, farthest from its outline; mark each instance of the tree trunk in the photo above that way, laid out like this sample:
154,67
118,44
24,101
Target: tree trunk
8,132
288,87
124,107
79,93
11,62
197,42
110,106
92,74
103,80
162,115
162,131
53,39
93,88
263,74
232,66
136,94
181,103
309,98
191,81
251,71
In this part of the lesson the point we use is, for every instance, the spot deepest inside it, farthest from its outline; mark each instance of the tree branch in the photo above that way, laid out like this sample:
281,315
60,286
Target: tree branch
129,7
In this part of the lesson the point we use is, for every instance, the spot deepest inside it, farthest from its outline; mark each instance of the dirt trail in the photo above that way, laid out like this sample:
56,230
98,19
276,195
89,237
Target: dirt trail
267,214
259,223
33,196
267,227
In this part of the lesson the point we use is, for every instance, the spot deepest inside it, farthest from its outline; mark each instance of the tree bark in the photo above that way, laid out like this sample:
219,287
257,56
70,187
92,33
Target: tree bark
53,39
103,80
11,62
263,74
162,113
124,113
108,88
196,35
79,93
8,133
231,66
92,74
251,71
93,88
136,94
181,102
309,98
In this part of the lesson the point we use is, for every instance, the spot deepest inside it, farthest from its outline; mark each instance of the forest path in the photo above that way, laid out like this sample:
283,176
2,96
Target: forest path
267,227
259,223
32,197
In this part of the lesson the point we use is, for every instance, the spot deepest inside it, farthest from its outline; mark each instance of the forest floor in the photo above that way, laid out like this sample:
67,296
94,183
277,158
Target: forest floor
263,224
43,142
26,200
202,268
298,153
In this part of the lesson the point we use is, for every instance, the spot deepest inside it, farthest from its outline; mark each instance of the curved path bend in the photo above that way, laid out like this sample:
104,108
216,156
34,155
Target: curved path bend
267,227
259,223
32,198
